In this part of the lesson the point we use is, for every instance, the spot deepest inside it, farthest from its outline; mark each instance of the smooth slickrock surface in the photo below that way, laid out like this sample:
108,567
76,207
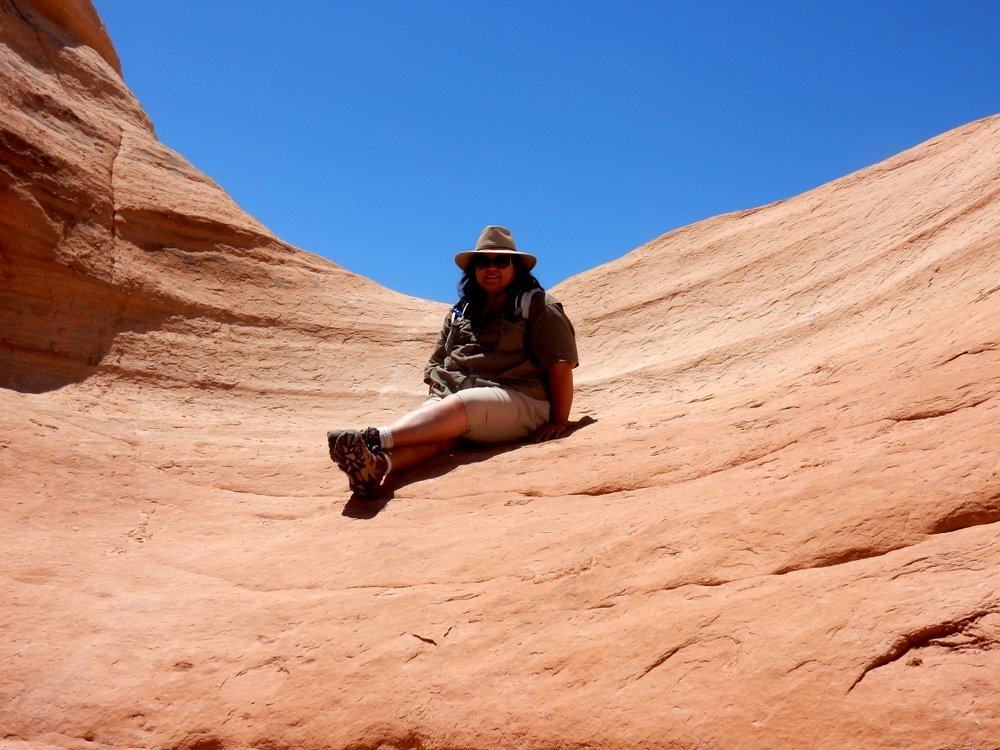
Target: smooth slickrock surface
776,527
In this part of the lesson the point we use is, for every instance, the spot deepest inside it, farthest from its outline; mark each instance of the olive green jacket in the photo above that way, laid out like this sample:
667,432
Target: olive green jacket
505,350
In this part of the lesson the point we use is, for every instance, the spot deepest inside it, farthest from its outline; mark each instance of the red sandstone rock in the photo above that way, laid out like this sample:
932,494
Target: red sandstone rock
780,531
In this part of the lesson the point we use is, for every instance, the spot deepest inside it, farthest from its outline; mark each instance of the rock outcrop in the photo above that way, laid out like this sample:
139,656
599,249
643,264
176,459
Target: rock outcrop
776,525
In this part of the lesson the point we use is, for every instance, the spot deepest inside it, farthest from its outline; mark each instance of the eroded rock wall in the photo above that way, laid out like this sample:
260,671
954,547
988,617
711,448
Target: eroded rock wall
107,235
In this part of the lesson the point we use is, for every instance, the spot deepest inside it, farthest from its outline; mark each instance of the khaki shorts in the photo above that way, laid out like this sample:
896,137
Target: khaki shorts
500,415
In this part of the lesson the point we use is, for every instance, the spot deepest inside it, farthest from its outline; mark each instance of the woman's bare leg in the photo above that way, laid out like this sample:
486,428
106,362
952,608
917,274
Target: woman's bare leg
435,422
408,456
416,437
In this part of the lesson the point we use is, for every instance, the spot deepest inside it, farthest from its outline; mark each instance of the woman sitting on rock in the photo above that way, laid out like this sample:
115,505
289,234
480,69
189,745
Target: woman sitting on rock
501,371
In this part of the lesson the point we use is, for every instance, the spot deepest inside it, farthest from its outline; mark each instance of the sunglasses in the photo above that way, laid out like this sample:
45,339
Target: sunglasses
496,261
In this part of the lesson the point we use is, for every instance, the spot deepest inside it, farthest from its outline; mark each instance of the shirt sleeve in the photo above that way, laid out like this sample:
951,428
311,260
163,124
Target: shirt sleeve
440,350
551,336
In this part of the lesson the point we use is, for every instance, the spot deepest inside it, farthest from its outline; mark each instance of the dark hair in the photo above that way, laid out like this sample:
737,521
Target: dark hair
472,296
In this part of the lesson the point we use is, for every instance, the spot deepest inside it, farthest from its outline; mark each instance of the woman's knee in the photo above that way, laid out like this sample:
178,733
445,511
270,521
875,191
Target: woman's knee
431,423
454,409
452,402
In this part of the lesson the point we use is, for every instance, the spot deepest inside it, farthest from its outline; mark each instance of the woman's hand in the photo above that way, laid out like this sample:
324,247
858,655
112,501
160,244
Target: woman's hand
550,431
561,399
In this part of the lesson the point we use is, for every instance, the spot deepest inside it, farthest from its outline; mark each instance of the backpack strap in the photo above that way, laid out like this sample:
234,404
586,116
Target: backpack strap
457,313
524,304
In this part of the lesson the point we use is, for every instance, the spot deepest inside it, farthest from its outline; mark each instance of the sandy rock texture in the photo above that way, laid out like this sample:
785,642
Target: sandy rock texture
776,525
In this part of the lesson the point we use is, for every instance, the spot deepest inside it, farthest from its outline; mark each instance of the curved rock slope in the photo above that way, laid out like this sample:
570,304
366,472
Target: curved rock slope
775,527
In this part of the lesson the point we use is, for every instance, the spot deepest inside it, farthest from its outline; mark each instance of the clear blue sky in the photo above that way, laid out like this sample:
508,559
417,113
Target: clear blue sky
385,135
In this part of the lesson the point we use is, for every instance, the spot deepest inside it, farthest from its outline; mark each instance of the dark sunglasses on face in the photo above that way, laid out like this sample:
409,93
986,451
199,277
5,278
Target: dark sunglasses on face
497,261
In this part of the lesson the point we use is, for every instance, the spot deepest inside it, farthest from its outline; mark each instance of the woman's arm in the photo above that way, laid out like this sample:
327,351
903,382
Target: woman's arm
440,350
561,400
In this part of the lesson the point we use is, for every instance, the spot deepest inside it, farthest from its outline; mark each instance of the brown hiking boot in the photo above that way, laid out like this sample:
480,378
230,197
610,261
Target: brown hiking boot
364,467
369,435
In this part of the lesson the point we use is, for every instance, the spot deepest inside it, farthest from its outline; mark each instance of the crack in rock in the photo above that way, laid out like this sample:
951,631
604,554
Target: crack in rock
935,413
928,636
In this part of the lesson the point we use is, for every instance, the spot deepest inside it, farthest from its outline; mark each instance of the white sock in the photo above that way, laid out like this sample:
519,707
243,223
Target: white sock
385,438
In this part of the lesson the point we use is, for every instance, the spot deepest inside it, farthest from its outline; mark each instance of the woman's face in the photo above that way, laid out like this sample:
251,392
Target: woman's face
492,279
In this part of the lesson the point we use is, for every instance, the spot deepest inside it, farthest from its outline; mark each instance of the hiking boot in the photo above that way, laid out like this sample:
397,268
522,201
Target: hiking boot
369,435
372,439
365,468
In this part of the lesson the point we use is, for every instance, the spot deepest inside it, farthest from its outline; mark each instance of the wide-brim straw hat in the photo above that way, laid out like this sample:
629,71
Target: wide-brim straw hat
495,240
